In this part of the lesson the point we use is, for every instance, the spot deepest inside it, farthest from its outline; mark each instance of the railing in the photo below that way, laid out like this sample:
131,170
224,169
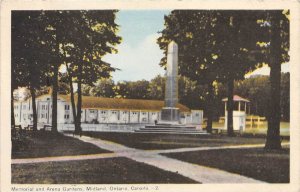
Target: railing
253,121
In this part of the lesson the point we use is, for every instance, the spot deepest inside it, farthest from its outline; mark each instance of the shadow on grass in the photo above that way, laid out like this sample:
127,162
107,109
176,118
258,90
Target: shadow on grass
269,166
47,144
100,171
172,141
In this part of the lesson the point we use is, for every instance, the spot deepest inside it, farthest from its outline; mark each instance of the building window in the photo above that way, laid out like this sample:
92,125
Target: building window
92,111
67,116
144,113
42,115
124,112
153,113
67,107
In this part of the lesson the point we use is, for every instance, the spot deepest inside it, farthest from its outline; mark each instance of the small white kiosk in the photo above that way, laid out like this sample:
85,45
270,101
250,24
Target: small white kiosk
239,113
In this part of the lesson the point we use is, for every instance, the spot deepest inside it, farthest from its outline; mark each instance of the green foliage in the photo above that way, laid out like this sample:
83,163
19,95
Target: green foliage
157,88
285,97
213,44
44,40
133,89
29,66
102,88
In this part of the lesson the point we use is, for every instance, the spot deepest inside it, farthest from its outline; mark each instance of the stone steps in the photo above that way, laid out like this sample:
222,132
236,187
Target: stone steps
158,126
170,129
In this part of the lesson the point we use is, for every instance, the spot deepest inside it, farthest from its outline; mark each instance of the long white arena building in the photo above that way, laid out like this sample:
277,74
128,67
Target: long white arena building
100,114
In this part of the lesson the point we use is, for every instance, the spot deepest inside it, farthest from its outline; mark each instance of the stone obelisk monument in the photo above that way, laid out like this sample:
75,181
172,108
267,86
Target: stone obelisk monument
170,114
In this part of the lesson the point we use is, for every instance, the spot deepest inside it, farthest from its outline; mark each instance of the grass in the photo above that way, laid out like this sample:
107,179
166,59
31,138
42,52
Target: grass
100,171
171,141
269,166
264,125
47,144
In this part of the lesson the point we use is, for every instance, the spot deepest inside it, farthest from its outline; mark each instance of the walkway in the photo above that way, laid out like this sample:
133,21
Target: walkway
198,173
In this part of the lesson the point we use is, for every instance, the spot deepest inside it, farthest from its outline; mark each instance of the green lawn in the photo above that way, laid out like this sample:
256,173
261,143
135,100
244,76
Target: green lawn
269,166
170,141
46,144
100,171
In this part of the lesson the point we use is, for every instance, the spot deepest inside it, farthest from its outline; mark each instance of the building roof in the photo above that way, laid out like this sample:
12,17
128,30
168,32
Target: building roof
89,102
236,98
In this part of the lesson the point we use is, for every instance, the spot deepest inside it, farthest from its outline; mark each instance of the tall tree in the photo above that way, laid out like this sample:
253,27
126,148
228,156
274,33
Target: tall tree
277,53
93,36
213,46
56,30
28,64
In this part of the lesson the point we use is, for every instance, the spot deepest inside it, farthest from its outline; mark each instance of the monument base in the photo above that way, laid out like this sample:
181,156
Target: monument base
170,115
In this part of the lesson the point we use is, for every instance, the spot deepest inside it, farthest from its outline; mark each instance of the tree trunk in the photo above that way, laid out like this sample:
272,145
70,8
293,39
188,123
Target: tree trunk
230,86
13,122
273,133
34,114
209,109
79,97
72,96
54,98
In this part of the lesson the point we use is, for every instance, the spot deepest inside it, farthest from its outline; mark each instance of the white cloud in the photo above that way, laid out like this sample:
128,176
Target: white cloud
138,62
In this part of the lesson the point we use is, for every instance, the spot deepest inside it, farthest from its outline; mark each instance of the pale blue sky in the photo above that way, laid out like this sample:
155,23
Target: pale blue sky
136,25
139,54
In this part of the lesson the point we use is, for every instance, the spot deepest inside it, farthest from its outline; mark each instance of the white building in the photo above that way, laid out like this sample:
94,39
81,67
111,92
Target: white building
99,112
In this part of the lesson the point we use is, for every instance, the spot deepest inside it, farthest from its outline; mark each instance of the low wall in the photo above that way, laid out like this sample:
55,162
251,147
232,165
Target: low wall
105,127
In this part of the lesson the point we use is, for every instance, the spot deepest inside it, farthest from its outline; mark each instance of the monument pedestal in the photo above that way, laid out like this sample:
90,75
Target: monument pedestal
170,115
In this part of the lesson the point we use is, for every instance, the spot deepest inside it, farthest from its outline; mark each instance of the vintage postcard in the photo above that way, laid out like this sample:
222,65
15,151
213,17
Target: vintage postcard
103,96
